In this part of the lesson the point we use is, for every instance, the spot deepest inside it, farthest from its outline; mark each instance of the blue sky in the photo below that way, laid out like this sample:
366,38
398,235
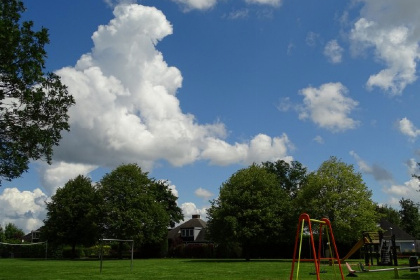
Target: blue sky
193,90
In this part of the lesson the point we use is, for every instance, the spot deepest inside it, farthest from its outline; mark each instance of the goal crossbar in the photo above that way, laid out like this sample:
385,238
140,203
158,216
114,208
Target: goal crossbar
29,244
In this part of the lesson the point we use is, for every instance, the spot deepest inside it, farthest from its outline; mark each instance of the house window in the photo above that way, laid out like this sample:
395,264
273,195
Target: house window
187,232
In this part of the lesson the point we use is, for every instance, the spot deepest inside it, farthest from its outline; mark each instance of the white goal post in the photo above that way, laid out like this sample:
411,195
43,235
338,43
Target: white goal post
118,240
28,244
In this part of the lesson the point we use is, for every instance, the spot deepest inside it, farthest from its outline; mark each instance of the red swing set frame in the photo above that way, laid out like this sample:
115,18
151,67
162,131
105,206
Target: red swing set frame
316,254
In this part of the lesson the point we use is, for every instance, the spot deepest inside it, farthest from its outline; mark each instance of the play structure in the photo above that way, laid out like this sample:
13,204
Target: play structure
305,226
375,245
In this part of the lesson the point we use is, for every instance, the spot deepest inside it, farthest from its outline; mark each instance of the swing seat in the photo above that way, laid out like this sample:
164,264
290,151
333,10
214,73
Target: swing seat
352,272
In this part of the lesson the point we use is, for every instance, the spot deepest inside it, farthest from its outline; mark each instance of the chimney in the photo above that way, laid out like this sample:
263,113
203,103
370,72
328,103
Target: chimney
196,216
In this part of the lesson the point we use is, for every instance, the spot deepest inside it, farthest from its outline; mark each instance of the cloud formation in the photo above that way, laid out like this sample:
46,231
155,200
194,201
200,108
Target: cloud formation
328,107
203,193
25,209
407,128
127,110
391,28
189,209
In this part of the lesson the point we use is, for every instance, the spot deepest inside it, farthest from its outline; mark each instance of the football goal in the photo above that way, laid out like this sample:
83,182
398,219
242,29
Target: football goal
116,240
24,250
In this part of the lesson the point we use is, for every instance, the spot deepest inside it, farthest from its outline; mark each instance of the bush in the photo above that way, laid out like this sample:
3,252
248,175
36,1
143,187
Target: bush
94,251
68,254
32,251
192,251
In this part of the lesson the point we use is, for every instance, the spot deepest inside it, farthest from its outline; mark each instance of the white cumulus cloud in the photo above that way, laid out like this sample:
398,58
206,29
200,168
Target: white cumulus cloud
406,127
25,209
189,209
203,193
329,107
392,29
127,110
260,148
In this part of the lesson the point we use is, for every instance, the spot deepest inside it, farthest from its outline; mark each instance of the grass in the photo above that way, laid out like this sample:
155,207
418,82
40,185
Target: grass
185,269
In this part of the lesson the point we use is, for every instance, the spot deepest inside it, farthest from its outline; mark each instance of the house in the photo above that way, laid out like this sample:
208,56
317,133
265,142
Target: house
32,237
403,241
192,231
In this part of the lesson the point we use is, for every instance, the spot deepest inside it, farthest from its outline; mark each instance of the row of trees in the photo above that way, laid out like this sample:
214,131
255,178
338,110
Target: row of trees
125,204
258,206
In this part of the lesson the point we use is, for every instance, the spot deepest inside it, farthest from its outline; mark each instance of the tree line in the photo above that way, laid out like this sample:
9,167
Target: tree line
258,206
124,204
255,212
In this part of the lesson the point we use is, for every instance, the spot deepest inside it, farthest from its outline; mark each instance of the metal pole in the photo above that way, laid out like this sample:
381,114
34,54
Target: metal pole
100,255
132,254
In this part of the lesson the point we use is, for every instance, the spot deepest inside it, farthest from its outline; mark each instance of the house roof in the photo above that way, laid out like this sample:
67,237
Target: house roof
195,222
389,229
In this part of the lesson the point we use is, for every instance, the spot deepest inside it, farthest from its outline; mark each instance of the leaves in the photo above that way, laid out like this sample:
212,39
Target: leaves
72,216
33,104
135,206
335,191
250,208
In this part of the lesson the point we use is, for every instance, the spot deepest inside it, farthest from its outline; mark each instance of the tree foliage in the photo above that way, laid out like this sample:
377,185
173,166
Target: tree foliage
335,191
72,216
410,217
133,206
290,176
249,210
13,234
33,104
1,234
417,176
390,214
163,195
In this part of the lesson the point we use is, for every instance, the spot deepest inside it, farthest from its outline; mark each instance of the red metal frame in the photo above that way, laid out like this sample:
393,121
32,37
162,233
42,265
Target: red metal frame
317,254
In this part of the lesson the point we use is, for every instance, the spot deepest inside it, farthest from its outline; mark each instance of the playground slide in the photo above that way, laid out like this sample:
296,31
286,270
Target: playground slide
353,250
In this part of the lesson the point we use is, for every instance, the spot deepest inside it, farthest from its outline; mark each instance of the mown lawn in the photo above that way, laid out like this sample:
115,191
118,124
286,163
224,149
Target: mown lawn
184,269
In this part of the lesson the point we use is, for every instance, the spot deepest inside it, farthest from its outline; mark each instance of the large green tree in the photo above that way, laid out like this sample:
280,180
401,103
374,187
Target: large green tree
72,216
410,217
33,104
335,191
132,207
249,210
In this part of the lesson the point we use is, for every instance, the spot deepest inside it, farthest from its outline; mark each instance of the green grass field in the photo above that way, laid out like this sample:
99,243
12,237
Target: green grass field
184,269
